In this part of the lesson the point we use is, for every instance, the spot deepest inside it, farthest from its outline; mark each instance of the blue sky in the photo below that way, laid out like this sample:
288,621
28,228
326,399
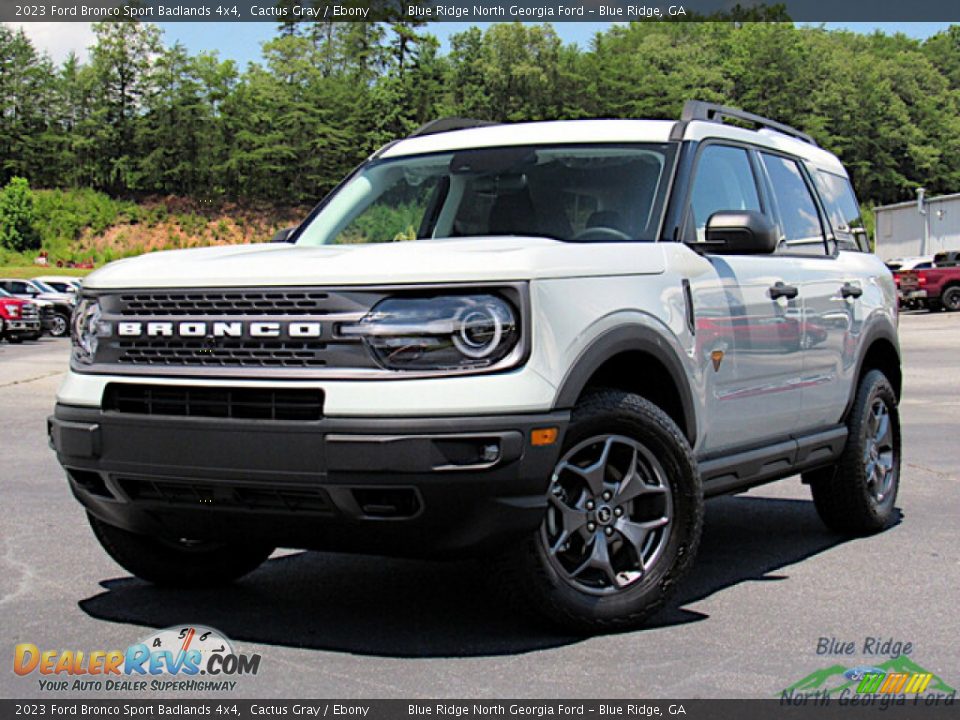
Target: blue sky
241,41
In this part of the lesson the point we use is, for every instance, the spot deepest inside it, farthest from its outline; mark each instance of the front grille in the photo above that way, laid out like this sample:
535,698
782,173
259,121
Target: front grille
30,312
227,303
239,350
187,493
231,403
46,312
242,353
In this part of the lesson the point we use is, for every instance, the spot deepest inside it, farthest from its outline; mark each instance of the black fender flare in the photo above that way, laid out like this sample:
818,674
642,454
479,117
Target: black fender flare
629,338
879,330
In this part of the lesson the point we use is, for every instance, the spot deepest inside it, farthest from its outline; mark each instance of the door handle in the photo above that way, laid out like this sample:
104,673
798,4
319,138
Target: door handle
849,290
779,290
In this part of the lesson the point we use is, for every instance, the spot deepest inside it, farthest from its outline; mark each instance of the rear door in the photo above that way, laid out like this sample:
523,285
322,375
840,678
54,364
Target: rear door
828,288
748,337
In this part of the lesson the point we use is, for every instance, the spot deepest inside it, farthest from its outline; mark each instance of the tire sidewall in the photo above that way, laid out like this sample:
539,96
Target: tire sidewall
876,386
951,299
65,330
638,419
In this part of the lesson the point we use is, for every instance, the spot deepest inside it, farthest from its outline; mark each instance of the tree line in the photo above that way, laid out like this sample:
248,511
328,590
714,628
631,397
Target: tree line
143,118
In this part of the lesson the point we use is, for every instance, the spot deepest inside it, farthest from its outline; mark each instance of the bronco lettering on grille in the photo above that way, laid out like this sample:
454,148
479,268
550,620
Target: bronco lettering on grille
220,329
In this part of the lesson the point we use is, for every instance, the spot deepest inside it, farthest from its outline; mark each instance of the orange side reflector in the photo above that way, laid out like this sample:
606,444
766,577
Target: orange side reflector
543,436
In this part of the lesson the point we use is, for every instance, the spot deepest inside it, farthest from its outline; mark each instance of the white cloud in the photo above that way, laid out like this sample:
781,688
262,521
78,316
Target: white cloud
58,39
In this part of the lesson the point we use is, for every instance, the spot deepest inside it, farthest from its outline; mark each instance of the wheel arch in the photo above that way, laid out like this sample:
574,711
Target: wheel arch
882,352
612,359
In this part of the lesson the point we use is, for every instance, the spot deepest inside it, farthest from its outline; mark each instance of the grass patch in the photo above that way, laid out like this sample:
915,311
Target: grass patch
32,271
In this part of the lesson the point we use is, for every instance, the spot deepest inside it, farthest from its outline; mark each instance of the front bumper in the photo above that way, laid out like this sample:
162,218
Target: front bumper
401,486
21,326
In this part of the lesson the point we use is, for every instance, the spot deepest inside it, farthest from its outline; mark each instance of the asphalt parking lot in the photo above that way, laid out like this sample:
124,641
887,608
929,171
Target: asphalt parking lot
770,581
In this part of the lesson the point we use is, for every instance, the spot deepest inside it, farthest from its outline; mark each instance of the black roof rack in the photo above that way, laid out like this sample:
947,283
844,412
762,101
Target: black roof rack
448,124
700,110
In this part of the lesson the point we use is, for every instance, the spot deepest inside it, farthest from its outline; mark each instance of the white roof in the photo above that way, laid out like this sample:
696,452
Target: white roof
606,131
537,133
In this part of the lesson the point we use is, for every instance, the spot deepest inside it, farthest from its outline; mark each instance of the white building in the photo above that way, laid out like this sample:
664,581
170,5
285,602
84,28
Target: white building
922,227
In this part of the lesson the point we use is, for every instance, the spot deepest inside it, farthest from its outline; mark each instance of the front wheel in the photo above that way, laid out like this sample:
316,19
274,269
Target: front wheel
623,522
178,562
856,496
60,325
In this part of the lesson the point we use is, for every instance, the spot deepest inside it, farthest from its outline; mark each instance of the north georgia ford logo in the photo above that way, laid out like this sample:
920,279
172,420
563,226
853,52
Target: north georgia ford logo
220,329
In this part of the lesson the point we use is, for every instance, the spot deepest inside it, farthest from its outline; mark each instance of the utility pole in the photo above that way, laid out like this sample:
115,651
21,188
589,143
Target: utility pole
925,229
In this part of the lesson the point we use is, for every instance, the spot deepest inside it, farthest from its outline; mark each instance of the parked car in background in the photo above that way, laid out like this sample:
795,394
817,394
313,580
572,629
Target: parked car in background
60,283
936,287
899,266
63,303
19,319
949,258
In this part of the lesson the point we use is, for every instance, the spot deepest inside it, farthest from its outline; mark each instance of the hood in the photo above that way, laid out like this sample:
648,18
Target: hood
58,298
489,259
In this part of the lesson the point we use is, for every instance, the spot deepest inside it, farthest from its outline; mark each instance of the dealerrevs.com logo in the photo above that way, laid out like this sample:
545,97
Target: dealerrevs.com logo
191,658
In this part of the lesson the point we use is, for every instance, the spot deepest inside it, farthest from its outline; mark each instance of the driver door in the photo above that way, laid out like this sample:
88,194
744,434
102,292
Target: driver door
747,309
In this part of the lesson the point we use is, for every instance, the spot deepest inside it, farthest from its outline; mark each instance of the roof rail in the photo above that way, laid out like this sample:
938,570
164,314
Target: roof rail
700,110
448,124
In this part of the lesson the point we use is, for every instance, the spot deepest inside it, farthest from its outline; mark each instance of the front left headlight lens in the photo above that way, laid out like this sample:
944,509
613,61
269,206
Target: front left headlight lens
448,332
88,328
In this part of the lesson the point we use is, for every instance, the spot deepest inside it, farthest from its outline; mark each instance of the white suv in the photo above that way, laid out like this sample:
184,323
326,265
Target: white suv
544,341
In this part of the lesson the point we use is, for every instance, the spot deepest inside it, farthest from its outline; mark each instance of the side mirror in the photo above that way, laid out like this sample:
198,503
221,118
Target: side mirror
741,232
283,236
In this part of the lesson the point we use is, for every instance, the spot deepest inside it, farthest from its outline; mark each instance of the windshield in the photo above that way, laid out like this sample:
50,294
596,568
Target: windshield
43,287
592,193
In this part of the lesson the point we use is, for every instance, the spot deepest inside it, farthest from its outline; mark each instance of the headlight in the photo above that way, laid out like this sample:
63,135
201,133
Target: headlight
87,330
13,310
450,332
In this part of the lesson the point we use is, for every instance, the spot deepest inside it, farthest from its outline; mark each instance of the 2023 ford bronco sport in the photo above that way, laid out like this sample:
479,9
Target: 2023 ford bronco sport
546,340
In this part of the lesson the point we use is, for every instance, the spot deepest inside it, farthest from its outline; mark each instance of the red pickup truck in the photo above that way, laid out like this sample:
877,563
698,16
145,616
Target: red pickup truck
937,287
19,319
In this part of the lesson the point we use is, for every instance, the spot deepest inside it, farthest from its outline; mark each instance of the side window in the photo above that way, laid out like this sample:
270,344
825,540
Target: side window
843,210
723,180
799,219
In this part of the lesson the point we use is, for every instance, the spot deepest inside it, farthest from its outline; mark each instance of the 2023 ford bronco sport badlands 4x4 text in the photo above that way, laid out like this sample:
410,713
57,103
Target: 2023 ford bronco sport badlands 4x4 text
548,341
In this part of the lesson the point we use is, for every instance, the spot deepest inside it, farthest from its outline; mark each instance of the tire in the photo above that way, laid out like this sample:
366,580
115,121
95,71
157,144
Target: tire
32,336
14,339
60,326
857,495
951,298
176,563
642,558
934,306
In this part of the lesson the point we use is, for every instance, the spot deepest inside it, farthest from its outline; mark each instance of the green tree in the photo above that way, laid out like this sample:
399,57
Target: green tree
18,218
123,60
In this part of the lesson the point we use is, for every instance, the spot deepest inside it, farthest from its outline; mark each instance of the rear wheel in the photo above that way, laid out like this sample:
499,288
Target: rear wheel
856,496
624,517
951,299
179,562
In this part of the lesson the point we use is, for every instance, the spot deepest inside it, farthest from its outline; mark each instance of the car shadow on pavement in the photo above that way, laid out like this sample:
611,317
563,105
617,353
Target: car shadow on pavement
406,608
